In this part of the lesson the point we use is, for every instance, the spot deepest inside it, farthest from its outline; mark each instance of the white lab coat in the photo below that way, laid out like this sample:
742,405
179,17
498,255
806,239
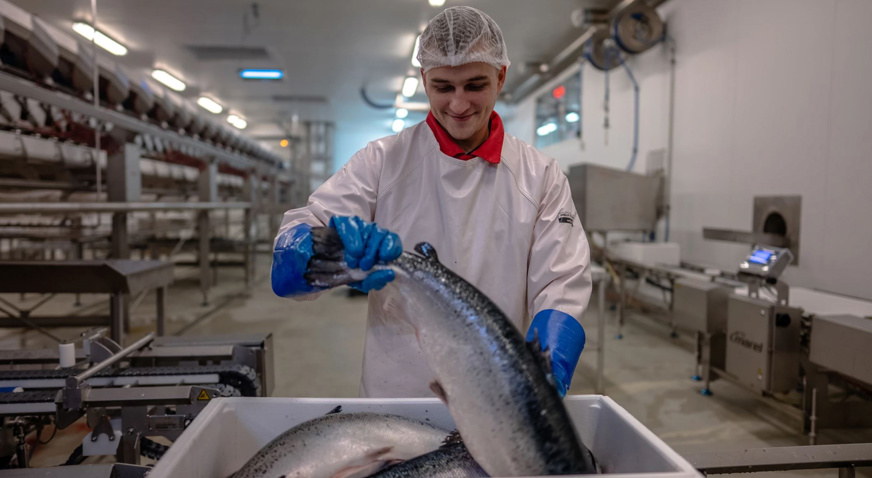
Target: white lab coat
496,225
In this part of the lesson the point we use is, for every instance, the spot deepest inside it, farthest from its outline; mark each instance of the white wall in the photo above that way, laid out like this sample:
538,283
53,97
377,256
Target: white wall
773,97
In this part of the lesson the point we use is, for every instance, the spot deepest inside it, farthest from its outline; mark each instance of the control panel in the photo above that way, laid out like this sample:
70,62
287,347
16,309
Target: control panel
766,261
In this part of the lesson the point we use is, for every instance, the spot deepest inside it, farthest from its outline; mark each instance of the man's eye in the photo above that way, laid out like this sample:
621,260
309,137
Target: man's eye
444,89
475,87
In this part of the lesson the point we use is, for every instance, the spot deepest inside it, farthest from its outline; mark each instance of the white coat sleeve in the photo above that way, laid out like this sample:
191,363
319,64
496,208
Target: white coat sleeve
558,274
351,191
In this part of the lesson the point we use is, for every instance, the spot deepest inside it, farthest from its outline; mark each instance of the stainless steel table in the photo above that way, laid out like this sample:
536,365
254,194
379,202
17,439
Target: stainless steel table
117,277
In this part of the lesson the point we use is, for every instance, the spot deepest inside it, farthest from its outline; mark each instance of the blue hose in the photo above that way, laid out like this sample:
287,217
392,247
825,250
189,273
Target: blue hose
635,114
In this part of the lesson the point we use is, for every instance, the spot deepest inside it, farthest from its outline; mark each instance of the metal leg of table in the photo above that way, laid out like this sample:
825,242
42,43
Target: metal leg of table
161,309
846,472
118,316
706,364
205,273
249,249
622,301
601,335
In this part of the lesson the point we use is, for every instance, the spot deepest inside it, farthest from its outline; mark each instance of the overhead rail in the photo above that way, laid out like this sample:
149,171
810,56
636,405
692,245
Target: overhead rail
61,100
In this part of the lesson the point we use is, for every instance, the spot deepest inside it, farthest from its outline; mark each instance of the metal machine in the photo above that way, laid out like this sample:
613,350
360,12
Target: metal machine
756,338
609,199
152,388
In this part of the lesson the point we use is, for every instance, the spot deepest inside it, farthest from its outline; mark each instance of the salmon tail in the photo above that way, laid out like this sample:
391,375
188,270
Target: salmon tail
326,244
453,438
327,266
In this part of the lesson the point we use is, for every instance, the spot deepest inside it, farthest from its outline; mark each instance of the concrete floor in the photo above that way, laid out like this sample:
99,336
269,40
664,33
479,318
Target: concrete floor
319,344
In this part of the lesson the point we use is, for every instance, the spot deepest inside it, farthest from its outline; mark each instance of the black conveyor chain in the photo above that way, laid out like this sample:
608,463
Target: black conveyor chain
38,396
241,377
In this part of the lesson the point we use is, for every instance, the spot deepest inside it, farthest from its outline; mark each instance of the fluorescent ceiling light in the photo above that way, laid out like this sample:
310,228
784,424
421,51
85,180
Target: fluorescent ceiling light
572,117
437,3
415,61
546,129
398,125
101,40
236,121
169,80
260,74
410,85
210,105
402,113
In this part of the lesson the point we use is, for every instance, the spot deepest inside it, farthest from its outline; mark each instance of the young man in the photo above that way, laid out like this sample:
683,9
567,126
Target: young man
499,213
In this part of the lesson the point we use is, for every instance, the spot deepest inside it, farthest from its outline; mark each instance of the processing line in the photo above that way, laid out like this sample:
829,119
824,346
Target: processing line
154,387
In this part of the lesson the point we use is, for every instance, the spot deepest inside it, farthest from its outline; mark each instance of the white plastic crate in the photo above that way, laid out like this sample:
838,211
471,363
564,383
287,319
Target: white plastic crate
231,430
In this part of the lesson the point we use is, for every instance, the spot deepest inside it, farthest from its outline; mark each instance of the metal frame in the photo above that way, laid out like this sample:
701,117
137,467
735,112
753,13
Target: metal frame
844,457
31,90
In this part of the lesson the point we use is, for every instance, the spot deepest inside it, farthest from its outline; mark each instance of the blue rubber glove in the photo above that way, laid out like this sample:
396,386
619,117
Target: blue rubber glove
564,337
366,244
290,260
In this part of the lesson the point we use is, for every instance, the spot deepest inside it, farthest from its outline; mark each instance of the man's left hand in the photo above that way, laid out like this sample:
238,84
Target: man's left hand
564,338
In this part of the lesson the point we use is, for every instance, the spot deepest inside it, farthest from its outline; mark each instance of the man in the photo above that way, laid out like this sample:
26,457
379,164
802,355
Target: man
499,213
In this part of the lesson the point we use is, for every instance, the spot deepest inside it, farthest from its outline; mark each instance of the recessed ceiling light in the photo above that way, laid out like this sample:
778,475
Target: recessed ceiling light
237,122
261,74
102,40
437,3
168,80
398,125
410,85
210,105
415,62
402,113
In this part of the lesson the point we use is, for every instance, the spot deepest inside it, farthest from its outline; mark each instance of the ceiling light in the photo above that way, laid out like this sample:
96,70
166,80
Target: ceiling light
415,62
546,129
402,113
210,105
169,80
102,40
437,3
283,143
572,117
398,125
410,85
260,74
236,121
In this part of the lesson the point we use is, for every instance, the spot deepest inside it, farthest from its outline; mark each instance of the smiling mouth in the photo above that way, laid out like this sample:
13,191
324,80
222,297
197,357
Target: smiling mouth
461,118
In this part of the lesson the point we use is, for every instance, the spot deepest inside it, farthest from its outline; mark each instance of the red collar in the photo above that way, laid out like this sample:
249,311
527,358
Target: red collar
489,151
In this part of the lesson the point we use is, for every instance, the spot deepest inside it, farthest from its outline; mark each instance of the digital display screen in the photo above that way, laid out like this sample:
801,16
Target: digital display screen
760,256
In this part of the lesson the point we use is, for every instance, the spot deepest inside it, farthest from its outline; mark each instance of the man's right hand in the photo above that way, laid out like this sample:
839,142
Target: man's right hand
365,245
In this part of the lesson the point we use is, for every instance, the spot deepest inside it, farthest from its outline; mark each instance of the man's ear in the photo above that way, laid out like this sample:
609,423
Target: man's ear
501,78
424,81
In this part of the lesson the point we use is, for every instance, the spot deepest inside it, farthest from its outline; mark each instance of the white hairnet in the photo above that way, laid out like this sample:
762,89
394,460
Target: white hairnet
461,35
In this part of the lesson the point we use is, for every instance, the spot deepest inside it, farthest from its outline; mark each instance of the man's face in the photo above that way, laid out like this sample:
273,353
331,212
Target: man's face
462,98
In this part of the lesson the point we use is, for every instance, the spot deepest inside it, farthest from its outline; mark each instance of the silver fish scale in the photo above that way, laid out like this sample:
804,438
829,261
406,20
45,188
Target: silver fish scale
533,409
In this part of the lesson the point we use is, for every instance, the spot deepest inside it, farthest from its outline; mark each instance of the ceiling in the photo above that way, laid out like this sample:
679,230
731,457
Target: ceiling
329,49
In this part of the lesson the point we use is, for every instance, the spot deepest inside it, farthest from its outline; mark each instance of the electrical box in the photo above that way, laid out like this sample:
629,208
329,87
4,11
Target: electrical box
700,306
763,344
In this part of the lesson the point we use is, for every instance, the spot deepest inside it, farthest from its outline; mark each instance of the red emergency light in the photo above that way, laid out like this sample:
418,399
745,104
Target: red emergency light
559,92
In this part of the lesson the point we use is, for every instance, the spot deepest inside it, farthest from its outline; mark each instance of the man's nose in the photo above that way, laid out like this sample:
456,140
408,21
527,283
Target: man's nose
458,104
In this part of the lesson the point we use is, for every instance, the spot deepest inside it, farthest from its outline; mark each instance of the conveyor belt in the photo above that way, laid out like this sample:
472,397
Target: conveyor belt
38,396
241,377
